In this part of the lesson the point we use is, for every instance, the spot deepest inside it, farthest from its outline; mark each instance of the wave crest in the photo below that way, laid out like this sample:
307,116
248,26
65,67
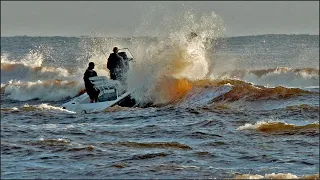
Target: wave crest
280,76
271,126
246,91
52,90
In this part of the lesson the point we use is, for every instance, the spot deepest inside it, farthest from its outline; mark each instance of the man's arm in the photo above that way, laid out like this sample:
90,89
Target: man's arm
109,63
86,78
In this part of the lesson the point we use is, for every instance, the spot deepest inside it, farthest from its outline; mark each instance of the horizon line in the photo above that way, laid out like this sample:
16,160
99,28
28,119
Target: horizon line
148,36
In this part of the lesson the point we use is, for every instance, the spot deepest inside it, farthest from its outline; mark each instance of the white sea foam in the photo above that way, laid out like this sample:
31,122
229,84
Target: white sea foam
47,107
44,91
175,56
32,59
286,79
249,126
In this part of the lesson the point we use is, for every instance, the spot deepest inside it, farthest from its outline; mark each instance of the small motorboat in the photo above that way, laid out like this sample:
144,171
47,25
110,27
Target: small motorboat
112,92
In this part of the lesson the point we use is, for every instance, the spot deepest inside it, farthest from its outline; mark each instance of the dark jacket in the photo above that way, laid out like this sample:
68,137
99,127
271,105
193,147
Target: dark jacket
89,73
115,62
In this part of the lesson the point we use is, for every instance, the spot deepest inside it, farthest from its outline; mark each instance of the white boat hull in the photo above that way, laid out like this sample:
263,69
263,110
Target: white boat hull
79,104
111,93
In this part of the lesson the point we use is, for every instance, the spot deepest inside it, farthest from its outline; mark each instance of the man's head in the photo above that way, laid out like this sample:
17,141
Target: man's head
115,49
91,65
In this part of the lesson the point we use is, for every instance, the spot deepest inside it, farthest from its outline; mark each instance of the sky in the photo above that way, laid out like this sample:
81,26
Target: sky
122,18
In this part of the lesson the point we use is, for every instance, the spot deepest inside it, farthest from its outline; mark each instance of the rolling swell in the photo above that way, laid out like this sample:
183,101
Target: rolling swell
280,76
246,91
177,89
281,127
158,145
172,92
279,71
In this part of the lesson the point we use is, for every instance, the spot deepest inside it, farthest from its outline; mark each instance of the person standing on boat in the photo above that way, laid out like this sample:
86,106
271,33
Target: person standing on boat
91,91
116,65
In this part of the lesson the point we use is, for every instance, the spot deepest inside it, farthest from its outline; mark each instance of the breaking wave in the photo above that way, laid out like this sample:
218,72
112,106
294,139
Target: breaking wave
274,126
31,68
246,91
169,90
280,76
166,66
51,90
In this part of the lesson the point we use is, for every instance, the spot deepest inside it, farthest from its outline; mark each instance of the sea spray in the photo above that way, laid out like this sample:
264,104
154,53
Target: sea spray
174,56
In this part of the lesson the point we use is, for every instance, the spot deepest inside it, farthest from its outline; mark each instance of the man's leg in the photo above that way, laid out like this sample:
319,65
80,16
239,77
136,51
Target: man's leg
91,95
97,92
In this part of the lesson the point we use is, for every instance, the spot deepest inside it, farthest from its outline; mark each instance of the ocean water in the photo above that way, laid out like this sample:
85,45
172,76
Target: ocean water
266,126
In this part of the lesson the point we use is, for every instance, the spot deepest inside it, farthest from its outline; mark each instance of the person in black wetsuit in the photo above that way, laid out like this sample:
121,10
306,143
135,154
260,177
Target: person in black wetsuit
91,91
116,65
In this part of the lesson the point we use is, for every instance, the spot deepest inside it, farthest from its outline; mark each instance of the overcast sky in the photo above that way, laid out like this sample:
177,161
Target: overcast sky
77,18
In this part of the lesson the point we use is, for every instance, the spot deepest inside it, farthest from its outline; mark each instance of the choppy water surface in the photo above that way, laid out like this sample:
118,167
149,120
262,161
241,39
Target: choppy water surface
266,126
168,142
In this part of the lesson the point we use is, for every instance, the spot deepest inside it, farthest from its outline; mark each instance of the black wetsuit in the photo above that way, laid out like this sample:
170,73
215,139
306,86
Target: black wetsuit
93,93
116,66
